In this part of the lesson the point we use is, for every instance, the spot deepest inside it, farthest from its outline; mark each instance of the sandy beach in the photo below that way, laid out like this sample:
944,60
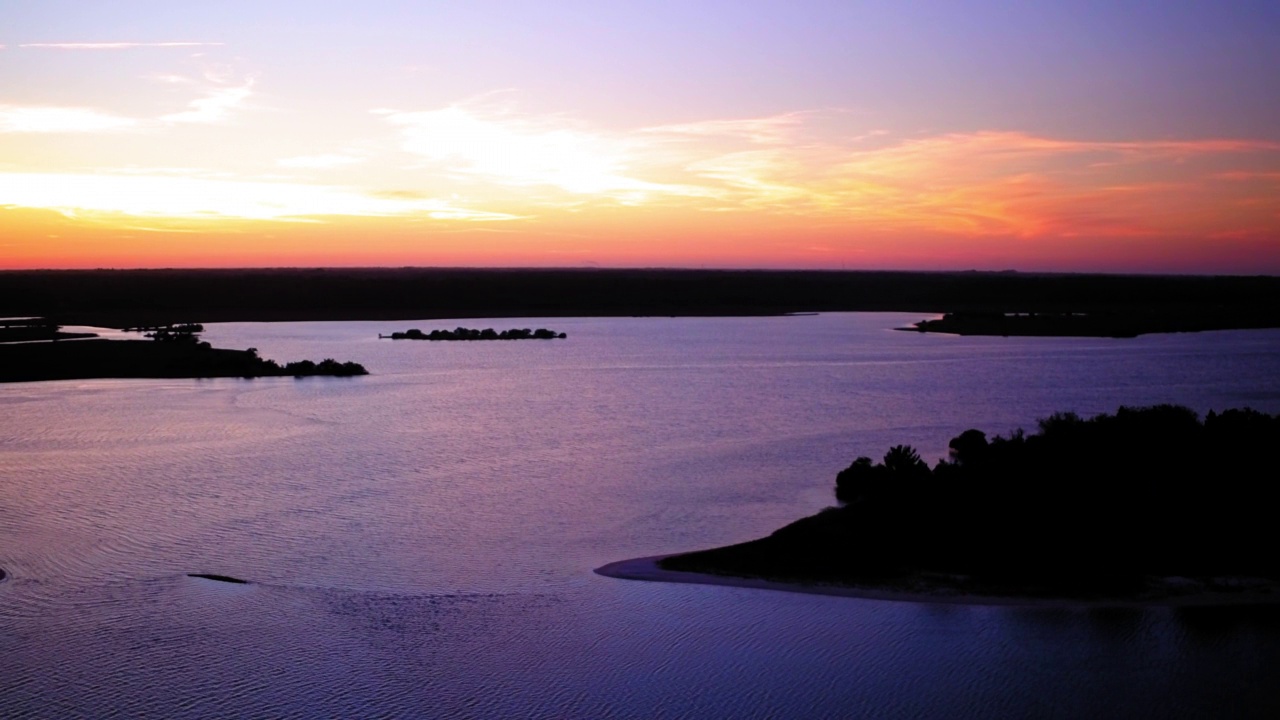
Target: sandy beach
923,590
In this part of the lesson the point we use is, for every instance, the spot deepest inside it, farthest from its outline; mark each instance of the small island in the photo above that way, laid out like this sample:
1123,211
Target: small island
173,351
1145,506
462,333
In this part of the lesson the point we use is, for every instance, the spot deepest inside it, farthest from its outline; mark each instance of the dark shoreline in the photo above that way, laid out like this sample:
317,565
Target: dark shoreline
1098,324
123,298
1082,510
920,589
94,359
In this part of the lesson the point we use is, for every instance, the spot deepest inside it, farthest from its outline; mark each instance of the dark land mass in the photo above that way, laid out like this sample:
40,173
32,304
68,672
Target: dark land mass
462,333
33,330
120,298
15,335
1146,504
218,578
86,359
1096,324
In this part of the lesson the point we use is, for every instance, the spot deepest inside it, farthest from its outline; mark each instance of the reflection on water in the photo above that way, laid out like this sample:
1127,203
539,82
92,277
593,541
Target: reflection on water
420,541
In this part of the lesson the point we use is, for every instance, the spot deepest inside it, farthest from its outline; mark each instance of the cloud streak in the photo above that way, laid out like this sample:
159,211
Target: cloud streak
319,162
523,151
20,119
116,45
1025,185
978,183
198,199
216,106
803,170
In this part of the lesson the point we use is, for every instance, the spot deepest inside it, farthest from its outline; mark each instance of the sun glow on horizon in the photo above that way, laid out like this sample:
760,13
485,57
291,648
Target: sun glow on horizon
198,199
226,136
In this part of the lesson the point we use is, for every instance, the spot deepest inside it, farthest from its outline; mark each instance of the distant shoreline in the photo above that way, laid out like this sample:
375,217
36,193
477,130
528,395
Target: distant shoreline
126,298
1105,324
926,591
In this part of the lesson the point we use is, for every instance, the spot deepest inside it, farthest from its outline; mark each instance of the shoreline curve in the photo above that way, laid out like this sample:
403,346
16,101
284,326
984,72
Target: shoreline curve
647,569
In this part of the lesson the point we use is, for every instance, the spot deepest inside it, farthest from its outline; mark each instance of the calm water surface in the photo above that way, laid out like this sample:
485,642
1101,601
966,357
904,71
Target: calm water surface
421,540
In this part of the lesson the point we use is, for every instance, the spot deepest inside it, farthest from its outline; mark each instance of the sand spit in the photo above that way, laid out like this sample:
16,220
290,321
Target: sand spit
1171,592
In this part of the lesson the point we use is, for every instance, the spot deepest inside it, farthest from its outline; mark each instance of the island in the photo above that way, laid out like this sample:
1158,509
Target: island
1146,505
462,333
170,352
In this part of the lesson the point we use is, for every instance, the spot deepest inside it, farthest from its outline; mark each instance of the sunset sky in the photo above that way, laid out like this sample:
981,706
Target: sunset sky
1107,136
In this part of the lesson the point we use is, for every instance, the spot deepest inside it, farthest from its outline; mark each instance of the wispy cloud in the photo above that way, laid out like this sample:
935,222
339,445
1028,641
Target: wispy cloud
507,148
169,79
1247,176
811,165
20,119
216,106
116,45
766,131
219,100
199,199
319,162
1020,184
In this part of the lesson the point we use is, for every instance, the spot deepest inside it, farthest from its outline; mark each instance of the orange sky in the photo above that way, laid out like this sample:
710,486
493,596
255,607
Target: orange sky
143,141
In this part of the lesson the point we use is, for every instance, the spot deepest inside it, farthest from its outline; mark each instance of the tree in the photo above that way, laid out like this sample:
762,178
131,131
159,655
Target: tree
968,447
904,460
856,480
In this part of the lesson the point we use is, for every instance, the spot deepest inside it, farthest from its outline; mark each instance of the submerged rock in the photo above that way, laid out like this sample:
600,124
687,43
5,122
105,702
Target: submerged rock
218,578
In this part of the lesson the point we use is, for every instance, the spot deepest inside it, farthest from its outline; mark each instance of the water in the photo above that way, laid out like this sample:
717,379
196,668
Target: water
421,540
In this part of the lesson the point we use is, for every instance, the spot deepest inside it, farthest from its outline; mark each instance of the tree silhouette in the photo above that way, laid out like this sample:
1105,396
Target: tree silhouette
903,460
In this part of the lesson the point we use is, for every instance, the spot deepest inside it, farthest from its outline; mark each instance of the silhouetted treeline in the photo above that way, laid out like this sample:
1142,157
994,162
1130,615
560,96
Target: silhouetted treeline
85,359
1131,323
181,333
118,298
1083,505
33,329
462,333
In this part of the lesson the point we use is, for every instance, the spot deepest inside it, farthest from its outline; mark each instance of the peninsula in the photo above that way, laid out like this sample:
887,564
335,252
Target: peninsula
171,352
34,329
1116,324
1147,505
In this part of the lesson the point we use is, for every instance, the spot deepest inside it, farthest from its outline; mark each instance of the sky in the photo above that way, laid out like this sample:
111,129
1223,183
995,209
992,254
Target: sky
1114,136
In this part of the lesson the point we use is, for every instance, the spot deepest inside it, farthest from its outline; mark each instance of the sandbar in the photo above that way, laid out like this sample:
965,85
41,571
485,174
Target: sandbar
921,589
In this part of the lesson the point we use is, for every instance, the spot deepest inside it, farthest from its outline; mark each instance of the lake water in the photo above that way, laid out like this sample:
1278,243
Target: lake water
421,541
